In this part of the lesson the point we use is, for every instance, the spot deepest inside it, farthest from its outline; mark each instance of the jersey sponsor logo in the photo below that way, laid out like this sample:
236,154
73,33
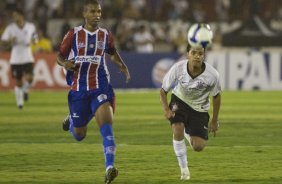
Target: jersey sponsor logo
89,59
102,97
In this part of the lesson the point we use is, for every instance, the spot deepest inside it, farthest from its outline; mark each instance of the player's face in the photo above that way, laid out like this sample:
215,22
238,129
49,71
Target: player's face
17,17
92,14
196,56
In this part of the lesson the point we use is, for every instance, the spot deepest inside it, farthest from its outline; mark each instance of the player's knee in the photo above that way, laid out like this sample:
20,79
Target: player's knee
79,135
198,147
198,144
30,79
78,138
19,83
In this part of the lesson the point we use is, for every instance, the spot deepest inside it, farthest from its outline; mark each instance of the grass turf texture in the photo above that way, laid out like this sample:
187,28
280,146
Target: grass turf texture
35,150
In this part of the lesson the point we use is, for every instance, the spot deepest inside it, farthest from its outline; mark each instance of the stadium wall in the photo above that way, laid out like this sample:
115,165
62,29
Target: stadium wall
239,70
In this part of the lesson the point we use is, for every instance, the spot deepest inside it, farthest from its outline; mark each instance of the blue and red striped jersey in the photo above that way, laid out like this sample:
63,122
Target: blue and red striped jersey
88,50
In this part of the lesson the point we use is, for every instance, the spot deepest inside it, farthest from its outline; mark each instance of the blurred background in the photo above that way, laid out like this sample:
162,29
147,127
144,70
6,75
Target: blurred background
246,46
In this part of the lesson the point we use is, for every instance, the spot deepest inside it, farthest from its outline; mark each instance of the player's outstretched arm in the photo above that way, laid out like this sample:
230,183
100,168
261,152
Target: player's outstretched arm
122,66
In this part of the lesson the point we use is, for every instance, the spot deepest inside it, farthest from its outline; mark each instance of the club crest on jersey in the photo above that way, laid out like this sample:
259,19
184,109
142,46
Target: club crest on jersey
201,84
100,45
91,46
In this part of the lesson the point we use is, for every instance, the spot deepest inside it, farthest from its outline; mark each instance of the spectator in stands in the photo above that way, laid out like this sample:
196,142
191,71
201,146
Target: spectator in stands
43,44
143,40
179,42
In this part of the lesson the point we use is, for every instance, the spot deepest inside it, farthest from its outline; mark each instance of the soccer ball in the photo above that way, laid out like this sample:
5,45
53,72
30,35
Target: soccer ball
200,35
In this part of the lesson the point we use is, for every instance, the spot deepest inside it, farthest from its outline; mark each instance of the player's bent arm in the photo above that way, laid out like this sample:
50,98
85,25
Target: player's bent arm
122,66
67,64
216,107
118,60
214,122
5,44
163,98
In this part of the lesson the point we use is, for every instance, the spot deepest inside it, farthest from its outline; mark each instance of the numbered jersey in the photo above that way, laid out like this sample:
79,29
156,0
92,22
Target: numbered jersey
88,50
193,91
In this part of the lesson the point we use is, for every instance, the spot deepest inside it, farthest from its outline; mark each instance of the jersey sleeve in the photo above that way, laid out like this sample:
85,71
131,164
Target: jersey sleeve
169,79
34,36
217,86
6,36
65,46
110,45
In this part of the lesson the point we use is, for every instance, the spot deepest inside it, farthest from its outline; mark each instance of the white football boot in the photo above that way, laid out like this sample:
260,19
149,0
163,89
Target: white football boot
185,174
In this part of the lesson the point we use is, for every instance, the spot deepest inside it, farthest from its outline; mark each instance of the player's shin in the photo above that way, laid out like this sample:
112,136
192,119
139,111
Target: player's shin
180,152
19,96
26,86
108,144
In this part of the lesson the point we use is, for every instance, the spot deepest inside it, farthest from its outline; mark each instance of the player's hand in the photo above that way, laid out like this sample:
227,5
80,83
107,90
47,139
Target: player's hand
124,70
13,40
70,65
214,125
169,114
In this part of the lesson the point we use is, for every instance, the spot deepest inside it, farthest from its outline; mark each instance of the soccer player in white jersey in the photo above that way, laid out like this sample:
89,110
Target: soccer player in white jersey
20,35
191,81
83,54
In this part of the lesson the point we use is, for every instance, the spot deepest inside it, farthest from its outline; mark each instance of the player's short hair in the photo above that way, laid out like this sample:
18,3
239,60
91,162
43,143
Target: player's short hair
19,11
87,2
188,48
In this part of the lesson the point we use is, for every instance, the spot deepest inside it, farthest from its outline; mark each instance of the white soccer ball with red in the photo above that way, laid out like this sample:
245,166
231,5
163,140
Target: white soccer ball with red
200,35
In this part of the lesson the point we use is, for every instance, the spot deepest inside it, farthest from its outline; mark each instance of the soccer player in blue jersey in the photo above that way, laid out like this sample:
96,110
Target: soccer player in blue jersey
82,53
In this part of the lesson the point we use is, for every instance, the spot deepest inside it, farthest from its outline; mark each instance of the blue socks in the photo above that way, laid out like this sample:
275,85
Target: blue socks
78,138
108,144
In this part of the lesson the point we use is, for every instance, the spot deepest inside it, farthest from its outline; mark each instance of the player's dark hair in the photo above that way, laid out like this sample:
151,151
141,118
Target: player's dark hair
19,11
87,2
188,48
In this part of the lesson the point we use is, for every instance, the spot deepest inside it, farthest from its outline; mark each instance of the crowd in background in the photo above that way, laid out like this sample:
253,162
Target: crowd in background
161,22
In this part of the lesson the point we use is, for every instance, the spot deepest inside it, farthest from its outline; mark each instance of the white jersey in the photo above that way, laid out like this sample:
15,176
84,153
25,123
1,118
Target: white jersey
21,50
194,92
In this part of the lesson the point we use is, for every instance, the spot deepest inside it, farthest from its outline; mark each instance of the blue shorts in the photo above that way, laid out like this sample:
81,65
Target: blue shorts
83,104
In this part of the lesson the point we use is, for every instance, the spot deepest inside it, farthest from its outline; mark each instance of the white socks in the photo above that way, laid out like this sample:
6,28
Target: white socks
19,96
180,152
187,136
26,87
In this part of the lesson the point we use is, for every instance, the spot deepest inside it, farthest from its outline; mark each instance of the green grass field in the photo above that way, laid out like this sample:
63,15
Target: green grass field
35,150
